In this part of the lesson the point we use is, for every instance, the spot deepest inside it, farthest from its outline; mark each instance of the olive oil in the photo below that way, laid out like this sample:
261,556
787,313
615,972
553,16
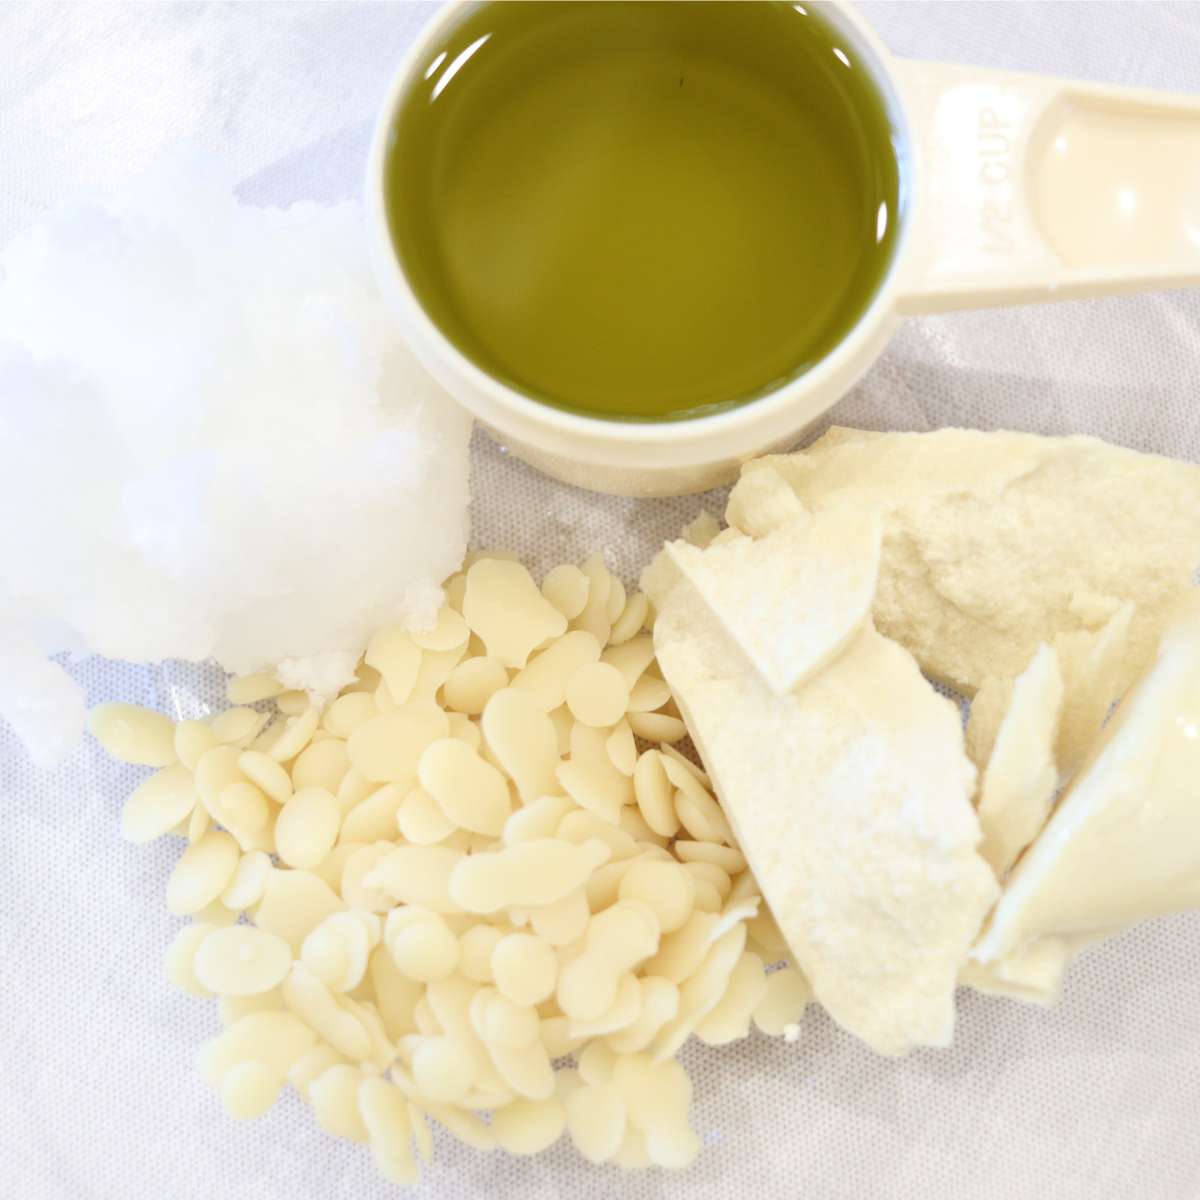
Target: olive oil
643,210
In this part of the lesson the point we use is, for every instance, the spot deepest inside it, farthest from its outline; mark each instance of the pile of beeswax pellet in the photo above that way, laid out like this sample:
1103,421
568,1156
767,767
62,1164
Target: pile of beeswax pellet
479,887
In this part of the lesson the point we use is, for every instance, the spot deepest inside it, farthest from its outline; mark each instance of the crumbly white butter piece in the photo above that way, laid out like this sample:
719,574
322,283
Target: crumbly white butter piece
702,529
989,706
761,502
1020,778
992,542
1092,665
850,798
1035,972
793,598
1121,845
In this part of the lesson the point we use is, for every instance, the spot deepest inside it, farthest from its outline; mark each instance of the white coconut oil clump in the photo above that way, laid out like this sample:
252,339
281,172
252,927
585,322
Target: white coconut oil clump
212,445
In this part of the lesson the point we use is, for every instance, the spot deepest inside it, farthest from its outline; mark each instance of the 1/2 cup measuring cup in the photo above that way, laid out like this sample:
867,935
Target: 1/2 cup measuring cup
1017,188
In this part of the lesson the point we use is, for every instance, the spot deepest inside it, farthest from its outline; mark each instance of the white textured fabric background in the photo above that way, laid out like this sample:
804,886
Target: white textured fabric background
1095,1100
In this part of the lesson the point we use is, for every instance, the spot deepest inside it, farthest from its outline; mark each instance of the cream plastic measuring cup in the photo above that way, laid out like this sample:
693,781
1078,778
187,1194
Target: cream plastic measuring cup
1017,188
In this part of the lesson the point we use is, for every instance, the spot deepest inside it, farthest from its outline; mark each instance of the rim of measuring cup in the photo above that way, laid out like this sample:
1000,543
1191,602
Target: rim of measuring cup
446,362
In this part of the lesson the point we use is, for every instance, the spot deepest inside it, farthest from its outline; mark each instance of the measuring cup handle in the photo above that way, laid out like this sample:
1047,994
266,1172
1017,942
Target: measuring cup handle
1029,188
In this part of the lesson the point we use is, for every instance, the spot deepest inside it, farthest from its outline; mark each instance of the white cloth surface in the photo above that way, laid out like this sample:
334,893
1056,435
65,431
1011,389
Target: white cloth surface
1094,1100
